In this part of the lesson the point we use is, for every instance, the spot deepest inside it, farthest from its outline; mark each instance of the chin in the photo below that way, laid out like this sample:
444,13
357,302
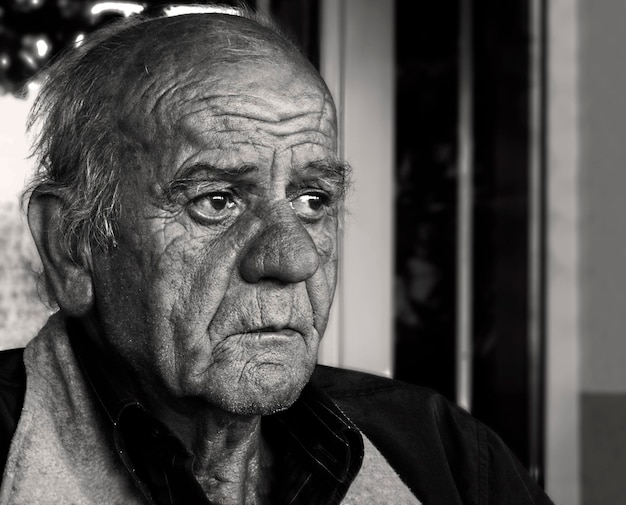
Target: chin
265,392
259,409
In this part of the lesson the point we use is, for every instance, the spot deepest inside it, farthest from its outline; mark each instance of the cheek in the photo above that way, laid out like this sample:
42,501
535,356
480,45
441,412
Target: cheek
183,269
324,235
167,296
193,282
325,239
321,287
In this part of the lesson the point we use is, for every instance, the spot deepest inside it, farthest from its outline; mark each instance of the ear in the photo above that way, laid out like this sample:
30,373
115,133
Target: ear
69,278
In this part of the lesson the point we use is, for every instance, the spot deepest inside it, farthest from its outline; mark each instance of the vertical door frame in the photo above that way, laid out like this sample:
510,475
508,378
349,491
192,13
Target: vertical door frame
357,59
563,243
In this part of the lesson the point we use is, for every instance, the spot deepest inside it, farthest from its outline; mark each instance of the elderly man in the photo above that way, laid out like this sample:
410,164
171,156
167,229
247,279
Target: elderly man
186,214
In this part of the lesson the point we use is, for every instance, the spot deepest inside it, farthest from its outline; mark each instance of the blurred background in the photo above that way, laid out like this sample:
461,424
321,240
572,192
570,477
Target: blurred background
484,236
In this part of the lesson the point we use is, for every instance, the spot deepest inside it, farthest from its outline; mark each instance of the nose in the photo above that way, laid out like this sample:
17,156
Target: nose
282,251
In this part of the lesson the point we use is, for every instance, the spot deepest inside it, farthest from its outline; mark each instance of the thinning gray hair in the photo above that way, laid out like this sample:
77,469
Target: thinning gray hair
80,147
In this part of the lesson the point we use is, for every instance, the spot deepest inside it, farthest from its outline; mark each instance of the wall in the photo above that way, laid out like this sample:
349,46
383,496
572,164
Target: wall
602,42
21,312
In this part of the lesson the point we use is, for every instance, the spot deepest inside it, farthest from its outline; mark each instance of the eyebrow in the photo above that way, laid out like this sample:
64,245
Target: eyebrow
335,173
202,172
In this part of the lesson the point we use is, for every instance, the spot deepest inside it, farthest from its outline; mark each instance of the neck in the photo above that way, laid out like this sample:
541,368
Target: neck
231,458
231,461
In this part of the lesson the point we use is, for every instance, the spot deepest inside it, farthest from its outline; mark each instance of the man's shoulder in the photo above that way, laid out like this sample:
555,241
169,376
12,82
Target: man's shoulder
416,429
382,407
352,386
12,390
440,451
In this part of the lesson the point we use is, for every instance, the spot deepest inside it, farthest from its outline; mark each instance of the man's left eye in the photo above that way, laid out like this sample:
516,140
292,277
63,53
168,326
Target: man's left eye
213,207
310,206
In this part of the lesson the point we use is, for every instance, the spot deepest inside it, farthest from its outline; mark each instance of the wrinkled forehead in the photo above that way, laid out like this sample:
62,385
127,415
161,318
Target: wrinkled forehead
212,64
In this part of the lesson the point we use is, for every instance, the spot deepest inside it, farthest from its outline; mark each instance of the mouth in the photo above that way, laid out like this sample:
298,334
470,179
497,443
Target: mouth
271,332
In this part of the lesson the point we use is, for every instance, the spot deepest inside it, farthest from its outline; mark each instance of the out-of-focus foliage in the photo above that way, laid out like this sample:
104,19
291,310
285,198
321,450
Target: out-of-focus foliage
32,32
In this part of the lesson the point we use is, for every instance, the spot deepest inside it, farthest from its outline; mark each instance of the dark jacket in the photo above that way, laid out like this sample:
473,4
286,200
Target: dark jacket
443,454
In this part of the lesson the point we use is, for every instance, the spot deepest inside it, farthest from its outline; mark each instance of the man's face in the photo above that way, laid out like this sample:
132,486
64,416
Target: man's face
224,273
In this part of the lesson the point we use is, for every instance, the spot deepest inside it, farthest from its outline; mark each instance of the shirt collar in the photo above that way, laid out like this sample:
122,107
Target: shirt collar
318,450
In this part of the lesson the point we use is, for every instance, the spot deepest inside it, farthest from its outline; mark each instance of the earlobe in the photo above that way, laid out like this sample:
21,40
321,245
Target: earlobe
68,277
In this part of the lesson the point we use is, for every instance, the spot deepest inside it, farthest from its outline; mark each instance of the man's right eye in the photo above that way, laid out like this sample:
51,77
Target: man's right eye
214,207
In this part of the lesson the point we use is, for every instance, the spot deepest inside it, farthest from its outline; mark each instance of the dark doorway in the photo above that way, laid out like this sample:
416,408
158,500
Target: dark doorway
506,359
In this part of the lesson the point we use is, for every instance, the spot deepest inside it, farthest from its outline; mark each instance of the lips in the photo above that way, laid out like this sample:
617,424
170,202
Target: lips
271,331
286,327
